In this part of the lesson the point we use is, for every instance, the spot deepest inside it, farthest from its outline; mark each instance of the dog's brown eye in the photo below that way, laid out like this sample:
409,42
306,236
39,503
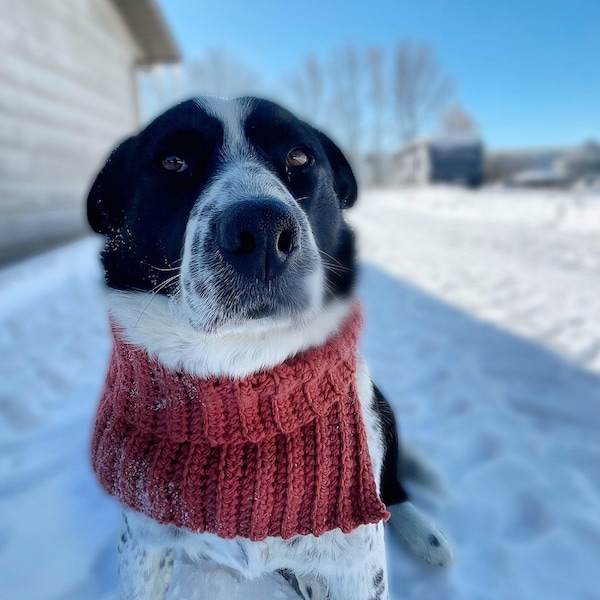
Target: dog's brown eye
298,157
174,164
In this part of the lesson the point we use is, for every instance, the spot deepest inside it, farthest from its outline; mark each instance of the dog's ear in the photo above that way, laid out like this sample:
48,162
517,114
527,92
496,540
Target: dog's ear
107,196
344,181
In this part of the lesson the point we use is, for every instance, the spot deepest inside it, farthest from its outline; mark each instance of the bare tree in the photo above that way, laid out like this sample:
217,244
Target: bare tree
347,106
421,90
220,74
307,91
377,96
457,121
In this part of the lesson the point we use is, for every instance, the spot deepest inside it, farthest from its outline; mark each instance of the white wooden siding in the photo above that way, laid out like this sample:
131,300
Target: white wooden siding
67,96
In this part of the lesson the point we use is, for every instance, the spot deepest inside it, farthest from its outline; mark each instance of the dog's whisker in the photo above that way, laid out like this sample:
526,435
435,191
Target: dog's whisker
164,284
336,269
153,293
329,289
162,268
335,260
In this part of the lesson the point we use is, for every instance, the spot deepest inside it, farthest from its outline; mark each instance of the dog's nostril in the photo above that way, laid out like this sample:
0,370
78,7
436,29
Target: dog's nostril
285,241
246,242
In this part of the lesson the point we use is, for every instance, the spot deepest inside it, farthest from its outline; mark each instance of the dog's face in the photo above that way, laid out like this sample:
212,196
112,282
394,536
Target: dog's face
232,209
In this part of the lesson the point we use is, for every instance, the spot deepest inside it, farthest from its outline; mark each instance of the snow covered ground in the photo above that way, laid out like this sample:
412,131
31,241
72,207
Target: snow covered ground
483,329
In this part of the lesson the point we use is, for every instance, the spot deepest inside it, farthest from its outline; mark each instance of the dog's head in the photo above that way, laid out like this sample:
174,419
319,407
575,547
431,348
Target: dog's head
231,210
234,207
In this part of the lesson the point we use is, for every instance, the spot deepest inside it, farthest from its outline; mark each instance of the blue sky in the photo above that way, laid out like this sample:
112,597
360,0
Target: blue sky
527,70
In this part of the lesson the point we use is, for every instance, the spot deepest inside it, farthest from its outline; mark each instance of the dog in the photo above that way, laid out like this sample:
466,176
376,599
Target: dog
226,256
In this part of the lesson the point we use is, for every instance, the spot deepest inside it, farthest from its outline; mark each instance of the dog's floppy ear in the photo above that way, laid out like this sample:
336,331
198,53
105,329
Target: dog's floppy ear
344,181
106,199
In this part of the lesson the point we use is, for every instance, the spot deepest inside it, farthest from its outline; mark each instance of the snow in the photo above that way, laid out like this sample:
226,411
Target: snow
483,329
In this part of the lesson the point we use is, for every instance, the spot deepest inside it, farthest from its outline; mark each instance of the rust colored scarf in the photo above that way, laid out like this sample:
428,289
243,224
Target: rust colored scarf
279,453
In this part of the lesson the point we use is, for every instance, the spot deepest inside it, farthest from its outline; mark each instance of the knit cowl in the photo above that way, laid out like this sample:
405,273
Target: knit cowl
281,452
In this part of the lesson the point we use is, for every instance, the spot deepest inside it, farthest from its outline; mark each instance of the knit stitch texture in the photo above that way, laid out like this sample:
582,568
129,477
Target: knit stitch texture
279,453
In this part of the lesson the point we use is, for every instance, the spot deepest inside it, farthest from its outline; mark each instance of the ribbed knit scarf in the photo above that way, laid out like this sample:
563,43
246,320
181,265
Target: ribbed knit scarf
279,453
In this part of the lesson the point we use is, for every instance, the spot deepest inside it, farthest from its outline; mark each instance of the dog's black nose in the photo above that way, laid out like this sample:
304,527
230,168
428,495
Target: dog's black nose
258,237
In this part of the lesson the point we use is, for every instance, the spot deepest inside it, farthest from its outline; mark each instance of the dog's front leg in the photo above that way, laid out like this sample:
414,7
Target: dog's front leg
144,569
363,577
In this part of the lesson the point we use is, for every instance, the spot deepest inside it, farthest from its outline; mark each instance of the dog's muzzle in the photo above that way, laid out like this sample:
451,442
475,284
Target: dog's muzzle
250,254
258,237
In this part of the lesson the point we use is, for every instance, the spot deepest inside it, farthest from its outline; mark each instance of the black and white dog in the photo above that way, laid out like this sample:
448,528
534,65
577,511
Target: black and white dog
226,253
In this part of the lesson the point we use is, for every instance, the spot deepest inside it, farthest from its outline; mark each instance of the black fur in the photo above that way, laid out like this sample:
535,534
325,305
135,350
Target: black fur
392,491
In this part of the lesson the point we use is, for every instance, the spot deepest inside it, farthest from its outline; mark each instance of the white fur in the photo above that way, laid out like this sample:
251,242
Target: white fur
232,115
335,565
157,324
371,418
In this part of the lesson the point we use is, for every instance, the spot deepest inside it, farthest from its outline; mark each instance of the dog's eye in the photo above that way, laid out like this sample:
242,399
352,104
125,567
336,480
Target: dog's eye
298,157
174,164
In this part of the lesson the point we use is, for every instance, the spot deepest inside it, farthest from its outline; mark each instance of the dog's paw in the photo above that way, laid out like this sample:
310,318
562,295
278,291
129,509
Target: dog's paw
421,535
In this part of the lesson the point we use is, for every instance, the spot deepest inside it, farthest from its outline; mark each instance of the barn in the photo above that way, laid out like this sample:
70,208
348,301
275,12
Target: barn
68,92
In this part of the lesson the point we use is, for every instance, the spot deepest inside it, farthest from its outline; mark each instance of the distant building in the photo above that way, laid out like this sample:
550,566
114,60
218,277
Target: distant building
67,94
540,178
545,167
440,160
533,167
581,164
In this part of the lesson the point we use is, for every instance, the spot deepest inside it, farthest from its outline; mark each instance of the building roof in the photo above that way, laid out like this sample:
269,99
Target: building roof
150,30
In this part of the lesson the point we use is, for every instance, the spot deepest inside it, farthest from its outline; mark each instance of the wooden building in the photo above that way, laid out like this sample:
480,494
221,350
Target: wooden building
67,94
